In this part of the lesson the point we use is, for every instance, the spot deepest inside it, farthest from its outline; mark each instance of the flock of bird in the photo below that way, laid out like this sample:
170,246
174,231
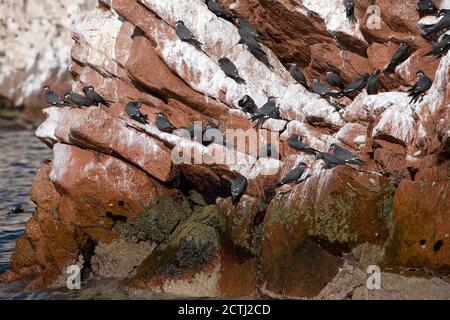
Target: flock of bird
250,38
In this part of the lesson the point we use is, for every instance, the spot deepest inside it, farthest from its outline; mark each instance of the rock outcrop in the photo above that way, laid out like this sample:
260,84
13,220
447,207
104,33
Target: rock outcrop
123,199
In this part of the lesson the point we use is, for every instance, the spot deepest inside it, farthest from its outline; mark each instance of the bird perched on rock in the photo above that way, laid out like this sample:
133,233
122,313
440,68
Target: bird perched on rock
186,35
238,187
330,159
399,56
293,176
440,48
90,93
230,70
334,79
254,47
442,25
268,111
356,85
132,109
16,209
322,89
345,155
426,7
163,124
78,99
53,99
295,142
373,84
298,76
219,11
247,28
420,87
247,104
350,10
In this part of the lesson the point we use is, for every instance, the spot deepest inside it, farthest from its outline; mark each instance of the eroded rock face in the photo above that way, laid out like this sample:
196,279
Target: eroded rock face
116,185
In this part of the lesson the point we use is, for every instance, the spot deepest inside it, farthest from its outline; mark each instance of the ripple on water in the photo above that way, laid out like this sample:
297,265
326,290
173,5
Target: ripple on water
21,155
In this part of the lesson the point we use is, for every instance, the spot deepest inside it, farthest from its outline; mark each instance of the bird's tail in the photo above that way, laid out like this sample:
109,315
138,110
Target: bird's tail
389,70
352,18
240,80
197,44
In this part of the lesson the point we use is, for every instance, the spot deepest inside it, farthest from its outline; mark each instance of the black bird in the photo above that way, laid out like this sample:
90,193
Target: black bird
440,48
345,155
132,109
254,47
441,26
247,104
298,76
426,7
89,91
356,85
247,28
330,159
373,84
293,176
186,35
296,142
230,70
163,124
219,11
78,99
53,99
269,151
16,209
399,56
266,110
420,87
238,187
334,79
322,89
350,10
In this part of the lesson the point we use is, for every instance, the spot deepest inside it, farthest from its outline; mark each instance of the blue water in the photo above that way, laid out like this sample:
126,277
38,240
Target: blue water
21,155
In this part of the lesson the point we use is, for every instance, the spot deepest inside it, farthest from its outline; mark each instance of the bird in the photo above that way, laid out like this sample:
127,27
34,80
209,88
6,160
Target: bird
426,7
219,11
132,109
322,89
16,209
334,79
267,109
238,187
441,26
295,142
297,75
440,48
350,10
420,87
230,70
186,35
78,99
254,47
269,151
345,155
356,85
163,124
293,176
247,28
330,159
89,91
53,99
373,84
247,104
399,56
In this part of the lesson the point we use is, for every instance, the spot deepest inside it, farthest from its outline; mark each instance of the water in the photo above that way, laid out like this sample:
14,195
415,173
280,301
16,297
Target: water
21,155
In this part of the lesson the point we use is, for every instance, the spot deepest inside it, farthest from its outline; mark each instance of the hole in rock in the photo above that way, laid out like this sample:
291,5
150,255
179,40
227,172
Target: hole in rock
437,246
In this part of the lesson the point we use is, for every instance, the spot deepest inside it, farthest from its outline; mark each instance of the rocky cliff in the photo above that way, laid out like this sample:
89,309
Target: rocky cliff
114,201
